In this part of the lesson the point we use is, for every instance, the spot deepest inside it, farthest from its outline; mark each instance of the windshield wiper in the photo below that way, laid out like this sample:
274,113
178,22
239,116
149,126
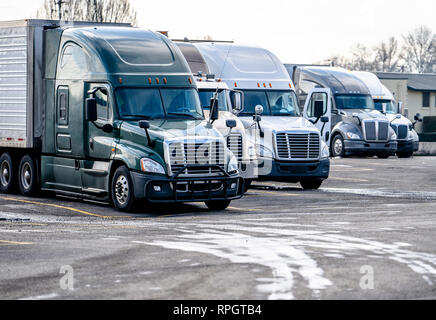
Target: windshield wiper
139,116
184,115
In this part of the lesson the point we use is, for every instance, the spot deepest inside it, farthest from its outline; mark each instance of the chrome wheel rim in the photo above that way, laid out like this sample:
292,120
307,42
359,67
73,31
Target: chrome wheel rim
26,176
122,190
5,173
338,147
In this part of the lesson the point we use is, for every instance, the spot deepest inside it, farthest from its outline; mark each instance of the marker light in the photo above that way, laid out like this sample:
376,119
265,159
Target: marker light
157,80
236,85
264,85
190,80
165,80
258,85
120,80
149,80
270,85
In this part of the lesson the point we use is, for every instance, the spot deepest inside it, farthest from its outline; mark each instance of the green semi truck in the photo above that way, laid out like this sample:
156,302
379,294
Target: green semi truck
106,112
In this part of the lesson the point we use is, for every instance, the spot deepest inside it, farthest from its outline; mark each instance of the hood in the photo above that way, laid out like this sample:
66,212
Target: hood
363,115
402,120
277,123
167,129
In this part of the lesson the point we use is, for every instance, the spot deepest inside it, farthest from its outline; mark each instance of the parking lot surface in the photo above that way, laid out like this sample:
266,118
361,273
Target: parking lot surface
368,233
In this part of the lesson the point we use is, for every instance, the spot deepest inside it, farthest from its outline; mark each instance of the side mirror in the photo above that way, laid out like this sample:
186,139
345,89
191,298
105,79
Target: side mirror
231,124
324,119
418,117
400,107
144,124
258,110
318,109
108,128
91,109
237,98
214,112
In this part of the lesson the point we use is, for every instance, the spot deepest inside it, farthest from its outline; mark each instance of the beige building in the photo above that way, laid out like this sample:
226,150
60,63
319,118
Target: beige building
418,94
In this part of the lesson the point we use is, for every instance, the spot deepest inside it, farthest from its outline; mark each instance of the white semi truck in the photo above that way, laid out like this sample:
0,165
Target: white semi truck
384,101
289,147
228,105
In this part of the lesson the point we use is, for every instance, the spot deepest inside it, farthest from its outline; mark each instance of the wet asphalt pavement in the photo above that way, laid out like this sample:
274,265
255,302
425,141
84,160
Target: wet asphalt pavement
369,233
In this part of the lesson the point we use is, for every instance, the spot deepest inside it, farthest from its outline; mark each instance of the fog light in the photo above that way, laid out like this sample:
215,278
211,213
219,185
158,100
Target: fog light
157,188
233,186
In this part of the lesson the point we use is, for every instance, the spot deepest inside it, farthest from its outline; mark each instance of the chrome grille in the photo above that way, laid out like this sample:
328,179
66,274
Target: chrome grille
234,143
375,130
297,146
401,130
197,156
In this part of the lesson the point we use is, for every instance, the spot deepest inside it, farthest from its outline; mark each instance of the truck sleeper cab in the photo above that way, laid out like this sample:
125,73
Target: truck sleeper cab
289,147
229,104
120,119
357,128
384,101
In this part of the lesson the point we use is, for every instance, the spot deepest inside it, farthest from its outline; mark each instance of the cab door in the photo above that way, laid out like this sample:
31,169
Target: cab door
99,142
318,110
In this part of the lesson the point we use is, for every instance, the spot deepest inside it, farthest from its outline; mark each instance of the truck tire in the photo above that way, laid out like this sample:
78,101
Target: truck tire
8,177
247,184
218,204
404,155
383,156
311,184
338,146
122,193
28,176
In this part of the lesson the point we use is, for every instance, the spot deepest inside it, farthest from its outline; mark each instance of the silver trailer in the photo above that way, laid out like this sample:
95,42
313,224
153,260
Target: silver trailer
21,85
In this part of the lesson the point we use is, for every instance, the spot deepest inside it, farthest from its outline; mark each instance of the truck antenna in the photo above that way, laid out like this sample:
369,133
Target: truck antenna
219,78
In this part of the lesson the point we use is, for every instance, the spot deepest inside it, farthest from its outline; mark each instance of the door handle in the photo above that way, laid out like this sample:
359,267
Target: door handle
91,144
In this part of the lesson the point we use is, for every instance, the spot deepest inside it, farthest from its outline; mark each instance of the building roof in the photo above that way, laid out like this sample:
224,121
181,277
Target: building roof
415,81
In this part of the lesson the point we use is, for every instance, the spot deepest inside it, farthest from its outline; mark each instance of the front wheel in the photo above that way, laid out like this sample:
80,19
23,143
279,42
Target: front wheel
218,204
404,154
28,176
338,146
8,177
383,156
311,184
122,194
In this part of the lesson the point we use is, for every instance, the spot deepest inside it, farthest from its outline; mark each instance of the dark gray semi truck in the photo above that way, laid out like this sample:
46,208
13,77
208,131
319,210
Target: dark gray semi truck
353,125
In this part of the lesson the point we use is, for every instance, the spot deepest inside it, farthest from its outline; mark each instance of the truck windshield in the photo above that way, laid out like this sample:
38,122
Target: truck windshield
206,95
354,101
141,103
388,105
274,103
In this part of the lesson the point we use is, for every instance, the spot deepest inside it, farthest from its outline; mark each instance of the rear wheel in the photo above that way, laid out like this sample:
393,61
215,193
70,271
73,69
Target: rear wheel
28,176
218,204
383,156
122,194
404,154
8,177
338,146
311,184
247,184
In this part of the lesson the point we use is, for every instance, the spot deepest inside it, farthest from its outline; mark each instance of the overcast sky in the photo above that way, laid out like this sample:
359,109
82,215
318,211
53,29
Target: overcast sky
303,31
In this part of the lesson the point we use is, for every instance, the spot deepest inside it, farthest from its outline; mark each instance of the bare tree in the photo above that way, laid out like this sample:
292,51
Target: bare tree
89,10
387,55
419,50
362,58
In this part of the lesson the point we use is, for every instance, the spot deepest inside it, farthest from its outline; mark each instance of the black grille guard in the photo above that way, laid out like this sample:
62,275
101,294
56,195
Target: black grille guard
225,179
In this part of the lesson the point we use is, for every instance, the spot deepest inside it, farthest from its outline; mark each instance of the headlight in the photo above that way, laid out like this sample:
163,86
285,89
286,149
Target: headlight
151,166
325,152
354,136
233,164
